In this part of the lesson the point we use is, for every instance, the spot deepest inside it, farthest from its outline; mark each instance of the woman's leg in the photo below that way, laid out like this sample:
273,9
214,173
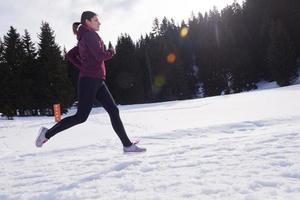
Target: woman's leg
107,101
87,88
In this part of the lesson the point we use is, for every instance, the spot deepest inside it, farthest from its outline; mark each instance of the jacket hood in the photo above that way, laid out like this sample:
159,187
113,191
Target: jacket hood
82,30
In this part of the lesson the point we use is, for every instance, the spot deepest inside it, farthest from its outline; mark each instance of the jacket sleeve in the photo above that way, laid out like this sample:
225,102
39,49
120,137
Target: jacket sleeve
97,51
73,57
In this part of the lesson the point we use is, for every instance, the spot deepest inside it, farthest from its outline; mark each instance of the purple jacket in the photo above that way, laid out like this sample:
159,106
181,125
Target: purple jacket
89,55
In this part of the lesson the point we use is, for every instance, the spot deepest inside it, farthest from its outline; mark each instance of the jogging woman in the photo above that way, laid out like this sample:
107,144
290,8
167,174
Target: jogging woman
89,56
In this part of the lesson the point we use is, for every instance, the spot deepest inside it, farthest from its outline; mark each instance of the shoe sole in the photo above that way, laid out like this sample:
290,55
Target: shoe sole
39,134
134,151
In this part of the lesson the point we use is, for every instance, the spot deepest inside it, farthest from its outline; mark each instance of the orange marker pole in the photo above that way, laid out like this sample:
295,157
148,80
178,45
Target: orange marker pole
57,113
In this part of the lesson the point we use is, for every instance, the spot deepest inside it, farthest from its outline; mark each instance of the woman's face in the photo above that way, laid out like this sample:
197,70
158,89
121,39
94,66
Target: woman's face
94,23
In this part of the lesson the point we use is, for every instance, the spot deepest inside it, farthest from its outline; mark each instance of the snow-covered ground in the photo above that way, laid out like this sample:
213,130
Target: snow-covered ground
241,146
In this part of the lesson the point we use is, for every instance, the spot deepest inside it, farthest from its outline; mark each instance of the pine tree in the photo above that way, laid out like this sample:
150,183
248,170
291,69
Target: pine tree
189,47
53,83
1,51
239,59
148,77
180,70
128,74
155,28
264,40
258,15
144,62
293,18
156,56
281,55
13,61
2,74
27,77
212,71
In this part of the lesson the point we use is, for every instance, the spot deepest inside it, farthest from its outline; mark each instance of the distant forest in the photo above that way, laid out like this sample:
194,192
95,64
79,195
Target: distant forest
215,53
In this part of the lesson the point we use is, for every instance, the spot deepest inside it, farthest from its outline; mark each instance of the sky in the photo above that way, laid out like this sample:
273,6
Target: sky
134,17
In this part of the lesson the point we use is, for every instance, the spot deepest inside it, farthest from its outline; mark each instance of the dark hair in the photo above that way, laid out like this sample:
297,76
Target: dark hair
86,15
75,27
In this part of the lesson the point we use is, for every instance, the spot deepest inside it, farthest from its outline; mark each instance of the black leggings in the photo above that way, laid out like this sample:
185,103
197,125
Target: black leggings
88,90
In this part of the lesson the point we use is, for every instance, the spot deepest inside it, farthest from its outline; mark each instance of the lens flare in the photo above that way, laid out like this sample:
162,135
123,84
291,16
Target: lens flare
171,58
184,32
159,81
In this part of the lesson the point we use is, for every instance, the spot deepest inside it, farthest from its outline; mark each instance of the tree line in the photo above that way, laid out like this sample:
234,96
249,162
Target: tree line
218,52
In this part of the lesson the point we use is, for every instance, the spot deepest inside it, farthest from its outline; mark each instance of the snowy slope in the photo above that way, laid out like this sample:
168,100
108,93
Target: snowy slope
241,146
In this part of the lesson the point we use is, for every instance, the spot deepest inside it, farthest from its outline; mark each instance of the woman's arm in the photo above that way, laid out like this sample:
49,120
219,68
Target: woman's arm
97,51
73,57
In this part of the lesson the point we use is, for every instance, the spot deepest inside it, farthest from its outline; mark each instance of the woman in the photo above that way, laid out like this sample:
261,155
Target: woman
89,56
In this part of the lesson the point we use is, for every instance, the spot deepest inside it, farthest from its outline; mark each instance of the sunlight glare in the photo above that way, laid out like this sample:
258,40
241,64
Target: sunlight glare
184,32
171,58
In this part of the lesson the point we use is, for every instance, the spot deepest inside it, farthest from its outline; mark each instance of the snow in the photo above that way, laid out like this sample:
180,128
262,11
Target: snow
240,146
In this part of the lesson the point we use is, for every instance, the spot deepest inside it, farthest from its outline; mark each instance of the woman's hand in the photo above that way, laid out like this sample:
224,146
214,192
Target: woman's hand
112,50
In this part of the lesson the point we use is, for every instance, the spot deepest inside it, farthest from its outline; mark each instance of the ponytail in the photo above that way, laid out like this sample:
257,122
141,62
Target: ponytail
75,27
